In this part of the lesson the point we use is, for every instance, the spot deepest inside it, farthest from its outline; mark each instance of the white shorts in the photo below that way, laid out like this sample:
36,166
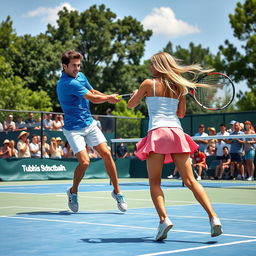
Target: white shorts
90,135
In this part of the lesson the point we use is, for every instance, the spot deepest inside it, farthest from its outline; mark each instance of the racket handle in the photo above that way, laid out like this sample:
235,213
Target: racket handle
125,96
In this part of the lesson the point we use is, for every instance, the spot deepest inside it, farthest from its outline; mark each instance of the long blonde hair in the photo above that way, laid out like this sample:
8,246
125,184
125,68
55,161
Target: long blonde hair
171,73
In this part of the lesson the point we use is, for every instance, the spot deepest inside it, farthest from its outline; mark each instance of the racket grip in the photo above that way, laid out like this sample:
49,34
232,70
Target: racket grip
125,96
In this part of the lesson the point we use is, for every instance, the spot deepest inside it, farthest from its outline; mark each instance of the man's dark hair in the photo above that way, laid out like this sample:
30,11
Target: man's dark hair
222,125
69,55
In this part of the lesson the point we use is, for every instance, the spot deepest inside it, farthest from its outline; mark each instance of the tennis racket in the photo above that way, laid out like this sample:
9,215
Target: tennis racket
218,95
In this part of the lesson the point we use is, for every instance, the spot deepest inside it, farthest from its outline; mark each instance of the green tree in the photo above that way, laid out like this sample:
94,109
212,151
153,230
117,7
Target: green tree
9,40
111,47
34,61
241,64
127,128
15,96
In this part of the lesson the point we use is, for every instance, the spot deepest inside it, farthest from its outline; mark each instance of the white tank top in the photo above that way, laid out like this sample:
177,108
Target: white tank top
162,111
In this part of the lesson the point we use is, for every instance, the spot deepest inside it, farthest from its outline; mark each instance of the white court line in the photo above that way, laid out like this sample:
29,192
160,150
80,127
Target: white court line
198,248
120,226
130,213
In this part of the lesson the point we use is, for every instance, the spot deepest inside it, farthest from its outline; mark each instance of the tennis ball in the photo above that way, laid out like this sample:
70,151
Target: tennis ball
119,97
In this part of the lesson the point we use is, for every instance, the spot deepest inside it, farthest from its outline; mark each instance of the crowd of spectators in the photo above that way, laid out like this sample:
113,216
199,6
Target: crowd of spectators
31,145
34,148
235,156
53,123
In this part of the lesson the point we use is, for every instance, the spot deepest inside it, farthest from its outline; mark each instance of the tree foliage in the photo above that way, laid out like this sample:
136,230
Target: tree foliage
15,96
127,128
111,47
241,64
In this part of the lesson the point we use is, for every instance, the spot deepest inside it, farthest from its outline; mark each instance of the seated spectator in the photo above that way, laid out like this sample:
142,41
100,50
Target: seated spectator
202,143
35,147
249,148
9,124
23,145
38,123
98,122
121,151
224,164
236,152
14,151
212,142
231,126
210,151
57,123
5,151
30,122
1,127
67,151
91,153
199,162
48,122
175,174
55,148
20,124
221,143
110,122
45,147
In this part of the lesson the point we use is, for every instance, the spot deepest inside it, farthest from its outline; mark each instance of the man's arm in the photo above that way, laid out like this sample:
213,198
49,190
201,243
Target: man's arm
97,92
101,98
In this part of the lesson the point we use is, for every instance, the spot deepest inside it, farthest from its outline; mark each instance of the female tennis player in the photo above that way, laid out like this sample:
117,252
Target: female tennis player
166,142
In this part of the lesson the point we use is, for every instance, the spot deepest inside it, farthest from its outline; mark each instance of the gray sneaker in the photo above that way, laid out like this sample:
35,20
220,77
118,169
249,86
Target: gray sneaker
72,201
163,229
121,203
216,229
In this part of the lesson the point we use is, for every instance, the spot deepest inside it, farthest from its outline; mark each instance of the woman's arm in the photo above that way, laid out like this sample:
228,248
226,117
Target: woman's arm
181,111
139,94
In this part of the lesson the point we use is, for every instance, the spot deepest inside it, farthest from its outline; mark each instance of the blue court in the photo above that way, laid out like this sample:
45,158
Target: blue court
48,228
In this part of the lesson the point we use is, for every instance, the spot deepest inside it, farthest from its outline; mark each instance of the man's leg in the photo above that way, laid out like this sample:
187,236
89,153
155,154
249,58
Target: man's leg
84,162
110,166
109,163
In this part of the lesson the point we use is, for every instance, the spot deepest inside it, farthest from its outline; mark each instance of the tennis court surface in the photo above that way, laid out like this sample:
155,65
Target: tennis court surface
35,219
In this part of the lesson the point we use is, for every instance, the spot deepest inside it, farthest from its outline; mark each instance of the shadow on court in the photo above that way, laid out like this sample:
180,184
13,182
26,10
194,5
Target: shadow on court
140,240
59,213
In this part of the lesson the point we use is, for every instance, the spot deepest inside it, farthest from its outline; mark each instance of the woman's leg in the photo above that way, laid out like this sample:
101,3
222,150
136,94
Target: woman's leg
183,164
154,167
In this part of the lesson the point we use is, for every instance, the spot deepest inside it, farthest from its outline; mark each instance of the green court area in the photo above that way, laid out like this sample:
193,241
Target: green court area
35,219
16,197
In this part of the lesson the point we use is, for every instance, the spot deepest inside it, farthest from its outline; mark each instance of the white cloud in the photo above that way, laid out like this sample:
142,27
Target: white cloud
49,14
163,21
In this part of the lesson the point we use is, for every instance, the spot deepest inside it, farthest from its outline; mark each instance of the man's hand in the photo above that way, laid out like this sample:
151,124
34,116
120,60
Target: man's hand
113,98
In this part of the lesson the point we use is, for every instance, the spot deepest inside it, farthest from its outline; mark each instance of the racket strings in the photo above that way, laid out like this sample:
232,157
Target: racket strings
219,93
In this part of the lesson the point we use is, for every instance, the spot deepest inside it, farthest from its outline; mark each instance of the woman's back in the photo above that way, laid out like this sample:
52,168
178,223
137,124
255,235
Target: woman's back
162,107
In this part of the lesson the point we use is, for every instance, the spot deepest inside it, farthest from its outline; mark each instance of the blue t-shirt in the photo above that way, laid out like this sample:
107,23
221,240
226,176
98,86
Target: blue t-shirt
236,146
71,92
202,146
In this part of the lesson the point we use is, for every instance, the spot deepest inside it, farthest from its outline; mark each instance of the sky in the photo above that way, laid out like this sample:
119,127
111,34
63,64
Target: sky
204,22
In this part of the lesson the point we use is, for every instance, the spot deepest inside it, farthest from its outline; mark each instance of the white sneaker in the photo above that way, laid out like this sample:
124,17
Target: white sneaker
170,177
163,229
216,229
198,178
121,203
250,178
72,201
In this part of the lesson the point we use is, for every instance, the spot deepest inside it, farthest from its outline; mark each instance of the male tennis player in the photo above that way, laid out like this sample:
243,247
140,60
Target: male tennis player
75,94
